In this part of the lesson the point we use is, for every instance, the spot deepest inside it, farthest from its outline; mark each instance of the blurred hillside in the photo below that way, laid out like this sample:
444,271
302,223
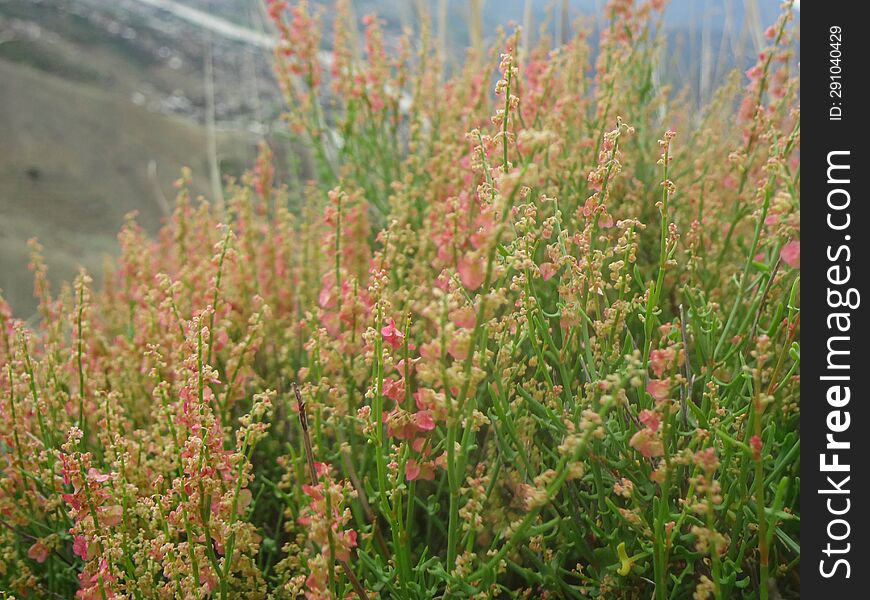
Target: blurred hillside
102,103
97,117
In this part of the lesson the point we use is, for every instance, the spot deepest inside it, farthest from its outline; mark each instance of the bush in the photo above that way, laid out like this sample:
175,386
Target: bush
545,347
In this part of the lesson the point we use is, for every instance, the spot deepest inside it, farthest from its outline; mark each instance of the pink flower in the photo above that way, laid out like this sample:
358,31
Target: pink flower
328,297
402,367
424,397
312,491
756,444
791,254
424,421
404,425
400,424
73,500
207,576
443,281
38,552
80,547
394,389
415,470
94,585
647,443
457,347
658,389
547,270
110,516
589,206
344,542
707,459
430,350
659,360
393,336
470,272
464,317
95,475
412,470
650,419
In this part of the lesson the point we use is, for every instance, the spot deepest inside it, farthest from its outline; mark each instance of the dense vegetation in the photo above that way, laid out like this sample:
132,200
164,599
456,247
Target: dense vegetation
536,343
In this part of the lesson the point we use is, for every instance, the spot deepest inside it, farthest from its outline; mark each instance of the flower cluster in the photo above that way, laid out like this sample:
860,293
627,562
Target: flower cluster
521,342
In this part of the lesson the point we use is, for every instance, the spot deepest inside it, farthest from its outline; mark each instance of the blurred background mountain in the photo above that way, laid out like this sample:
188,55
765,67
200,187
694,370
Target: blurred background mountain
102,102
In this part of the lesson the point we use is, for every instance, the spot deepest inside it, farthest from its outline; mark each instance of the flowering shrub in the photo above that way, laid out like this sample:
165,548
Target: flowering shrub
545,342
